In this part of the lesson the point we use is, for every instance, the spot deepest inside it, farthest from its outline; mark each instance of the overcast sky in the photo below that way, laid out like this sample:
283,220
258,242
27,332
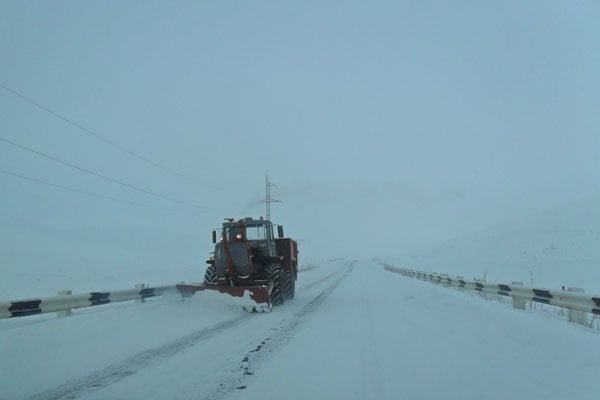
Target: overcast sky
387,126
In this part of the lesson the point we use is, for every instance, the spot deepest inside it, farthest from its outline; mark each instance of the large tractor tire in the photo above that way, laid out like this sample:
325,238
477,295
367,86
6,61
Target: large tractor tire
210,276
276,275
289,290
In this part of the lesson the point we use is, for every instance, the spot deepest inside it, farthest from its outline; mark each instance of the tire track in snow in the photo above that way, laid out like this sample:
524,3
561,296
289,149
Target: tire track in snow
117,372
280,336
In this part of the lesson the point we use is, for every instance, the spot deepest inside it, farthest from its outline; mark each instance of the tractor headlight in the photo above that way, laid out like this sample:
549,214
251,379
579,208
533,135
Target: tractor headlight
239,236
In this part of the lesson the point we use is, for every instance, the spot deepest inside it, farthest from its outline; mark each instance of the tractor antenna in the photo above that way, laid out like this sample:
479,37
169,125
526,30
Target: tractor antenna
268,200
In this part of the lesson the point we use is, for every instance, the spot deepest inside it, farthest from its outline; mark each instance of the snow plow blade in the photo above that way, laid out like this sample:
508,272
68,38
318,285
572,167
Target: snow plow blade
259,297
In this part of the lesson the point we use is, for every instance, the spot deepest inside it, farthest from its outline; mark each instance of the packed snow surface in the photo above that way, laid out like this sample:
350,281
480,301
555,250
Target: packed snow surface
354,331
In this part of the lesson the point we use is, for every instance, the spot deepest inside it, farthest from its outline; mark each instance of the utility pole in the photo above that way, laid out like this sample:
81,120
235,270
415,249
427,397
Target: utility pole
268,200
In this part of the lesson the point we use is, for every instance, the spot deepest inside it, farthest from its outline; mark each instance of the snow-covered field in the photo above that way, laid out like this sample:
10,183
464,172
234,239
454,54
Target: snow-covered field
354,331
556,247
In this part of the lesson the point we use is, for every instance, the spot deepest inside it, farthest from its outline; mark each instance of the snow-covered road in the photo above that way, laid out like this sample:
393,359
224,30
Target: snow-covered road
354,331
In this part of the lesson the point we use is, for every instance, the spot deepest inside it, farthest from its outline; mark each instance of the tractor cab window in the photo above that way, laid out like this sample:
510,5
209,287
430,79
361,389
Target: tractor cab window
258,232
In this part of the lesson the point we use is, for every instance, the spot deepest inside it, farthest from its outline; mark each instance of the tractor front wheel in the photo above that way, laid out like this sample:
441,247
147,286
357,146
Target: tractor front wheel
210,276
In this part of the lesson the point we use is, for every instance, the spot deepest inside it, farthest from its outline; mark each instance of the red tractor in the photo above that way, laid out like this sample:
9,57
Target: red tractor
249,259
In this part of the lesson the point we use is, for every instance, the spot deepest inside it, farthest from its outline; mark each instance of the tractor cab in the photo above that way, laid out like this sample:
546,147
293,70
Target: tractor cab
248,229
244,249
257,231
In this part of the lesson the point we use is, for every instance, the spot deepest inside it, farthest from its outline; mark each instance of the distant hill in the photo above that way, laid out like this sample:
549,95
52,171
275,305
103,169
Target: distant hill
560,247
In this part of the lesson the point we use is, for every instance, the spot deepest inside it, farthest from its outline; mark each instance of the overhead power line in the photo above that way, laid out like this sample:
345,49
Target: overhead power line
70,189
96,174
94,134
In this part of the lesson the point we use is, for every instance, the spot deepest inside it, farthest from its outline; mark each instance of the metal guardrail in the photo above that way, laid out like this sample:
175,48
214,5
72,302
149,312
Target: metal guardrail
65,302
572,301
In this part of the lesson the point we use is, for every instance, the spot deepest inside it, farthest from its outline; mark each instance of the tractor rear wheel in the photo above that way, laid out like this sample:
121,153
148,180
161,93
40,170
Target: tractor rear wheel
210,276
290,286
275,275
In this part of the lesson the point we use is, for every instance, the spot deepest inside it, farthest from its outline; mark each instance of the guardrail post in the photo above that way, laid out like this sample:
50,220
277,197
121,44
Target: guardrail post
518,302
480,292
140,286
460,286
576,316
64,313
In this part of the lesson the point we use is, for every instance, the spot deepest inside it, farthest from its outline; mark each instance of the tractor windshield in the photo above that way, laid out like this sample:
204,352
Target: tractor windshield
254,231
231,231
257,232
